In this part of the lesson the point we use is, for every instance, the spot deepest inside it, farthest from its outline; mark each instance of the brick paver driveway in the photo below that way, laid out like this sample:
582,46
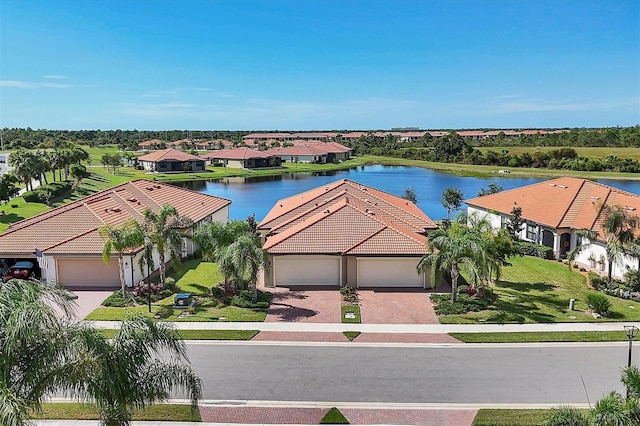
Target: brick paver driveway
304,305
396,306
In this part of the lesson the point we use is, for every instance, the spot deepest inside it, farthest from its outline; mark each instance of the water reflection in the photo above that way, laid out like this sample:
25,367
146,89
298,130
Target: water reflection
258,194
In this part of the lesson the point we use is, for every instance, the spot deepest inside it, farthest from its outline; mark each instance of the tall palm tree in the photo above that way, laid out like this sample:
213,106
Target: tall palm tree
242,260
39,350
120,239
214,239
618,228
164,231
449,251
132,372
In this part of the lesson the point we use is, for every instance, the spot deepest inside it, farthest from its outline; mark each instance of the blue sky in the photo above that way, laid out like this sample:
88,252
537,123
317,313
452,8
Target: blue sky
304,64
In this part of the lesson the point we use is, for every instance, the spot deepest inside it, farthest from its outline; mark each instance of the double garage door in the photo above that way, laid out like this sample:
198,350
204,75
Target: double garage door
389,272
326,271
307,270
88,272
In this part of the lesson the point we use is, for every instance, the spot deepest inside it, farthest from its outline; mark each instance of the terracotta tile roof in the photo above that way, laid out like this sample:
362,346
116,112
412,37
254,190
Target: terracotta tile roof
346,229
151,142
72,228
241,153
346,217
564,202
168,154
266,136
297,150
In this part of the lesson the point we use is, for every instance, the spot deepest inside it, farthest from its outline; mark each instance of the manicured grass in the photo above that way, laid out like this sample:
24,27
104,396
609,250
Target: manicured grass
158,412
205,334
533,337
355,309
592,152
494,417
334,417
23,210
535,290
351,334
196,277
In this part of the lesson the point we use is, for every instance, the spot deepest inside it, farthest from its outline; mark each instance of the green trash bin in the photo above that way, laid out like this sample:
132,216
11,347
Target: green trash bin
572,303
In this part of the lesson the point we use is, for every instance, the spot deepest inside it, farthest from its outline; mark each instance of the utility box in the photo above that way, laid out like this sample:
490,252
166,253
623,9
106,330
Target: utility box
182,300
572,303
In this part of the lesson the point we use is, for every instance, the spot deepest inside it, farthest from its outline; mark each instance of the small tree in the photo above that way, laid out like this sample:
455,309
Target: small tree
410,194
120,239
515,223
451,200
493,188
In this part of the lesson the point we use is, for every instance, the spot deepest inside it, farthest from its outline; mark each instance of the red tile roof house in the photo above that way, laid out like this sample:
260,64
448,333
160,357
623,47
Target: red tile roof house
151,144
171,160
71,246
243,158
554,210
342,234
300,153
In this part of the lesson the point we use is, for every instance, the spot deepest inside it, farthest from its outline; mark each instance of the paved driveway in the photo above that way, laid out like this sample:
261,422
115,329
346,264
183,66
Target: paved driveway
308,305
396,306
88,300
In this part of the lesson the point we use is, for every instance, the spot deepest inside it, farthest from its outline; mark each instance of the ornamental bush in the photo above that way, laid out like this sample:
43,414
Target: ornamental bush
599,303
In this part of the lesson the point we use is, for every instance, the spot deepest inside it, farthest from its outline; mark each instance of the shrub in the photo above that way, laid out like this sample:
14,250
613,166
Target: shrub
243,300
595,280
117,301
349,294
599,303
169,282
565,415
537,250
632,280
217,292
44,193
464,303
141,292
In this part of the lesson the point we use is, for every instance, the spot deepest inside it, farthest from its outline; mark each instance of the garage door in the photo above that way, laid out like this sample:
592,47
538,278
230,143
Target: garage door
91,272
307,270
389,272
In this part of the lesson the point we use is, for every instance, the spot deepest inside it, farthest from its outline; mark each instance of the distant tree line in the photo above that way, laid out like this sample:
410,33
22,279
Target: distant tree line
452,148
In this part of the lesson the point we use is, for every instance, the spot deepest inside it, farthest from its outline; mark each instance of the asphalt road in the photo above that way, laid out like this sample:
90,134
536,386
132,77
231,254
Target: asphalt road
408,375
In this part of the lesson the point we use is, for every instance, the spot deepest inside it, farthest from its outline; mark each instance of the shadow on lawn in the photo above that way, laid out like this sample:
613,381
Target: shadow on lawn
522,302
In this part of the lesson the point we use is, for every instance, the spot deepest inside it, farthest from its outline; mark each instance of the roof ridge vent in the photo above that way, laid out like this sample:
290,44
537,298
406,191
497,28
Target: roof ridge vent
562,186
552,184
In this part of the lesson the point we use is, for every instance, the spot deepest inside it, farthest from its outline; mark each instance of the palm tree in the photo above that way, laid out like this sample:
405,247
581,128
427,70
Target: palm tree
132,372
618,228
242,261
163,230
39,350
120,239
449,251
214,239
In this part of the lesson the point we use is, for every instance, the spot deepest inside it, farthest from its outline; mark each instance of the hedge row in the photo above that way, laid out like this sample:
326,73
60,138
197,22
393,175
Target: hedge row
44,193
537,250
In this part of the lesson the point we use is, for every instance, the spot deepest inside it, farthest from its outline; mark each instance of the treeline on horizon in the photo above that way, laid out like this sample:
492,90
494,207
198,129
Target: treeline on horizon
14,138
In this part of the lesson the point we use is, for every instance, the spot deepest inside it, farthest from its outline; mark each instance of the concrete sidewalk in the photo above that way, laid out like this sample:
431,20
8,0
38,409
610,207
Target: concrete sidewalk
390,328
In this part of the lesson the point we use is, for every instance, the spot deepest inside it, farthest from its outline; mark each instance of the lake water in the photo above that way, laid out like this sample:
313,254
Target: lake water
258,195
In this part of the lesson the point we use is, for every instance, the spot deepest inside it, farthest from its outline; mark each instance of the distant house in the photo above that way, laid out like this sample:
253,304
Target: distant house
243,158
555,210
335,151
300,154
345,233
151,144
4,162
68,244
171,160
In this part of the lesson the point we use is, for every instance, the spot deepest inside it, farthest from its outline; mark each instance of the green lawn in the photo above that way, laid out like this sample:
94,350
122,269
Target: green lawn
534,337
521,417
204,334
195,277
593,152
355,309
22,210
535,290
157,412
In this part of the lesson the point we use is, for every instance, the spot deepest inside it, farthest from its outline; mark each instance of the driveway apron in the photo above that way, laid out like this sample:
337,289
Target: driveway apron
396,306
319,305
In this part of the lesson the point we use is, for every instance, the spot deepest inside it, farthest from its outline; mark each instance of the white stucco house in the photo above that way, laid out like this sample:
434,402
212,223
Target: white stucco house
556,210
345,234
68,248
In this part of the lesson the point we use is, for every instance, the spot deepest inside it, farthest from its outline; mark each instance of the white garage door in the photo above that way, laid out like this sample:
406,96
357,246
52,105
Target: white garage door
87,272
307,270
389,272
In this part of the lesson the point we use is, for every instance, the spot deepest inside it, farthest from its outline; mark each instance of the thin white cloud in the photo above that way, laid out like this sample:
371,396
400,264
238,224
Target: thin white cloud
33,84
55,76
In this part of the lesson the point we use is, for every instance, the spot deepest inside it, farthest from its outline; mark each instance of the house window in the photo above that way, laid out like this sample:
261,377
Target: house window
532,232
504,221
